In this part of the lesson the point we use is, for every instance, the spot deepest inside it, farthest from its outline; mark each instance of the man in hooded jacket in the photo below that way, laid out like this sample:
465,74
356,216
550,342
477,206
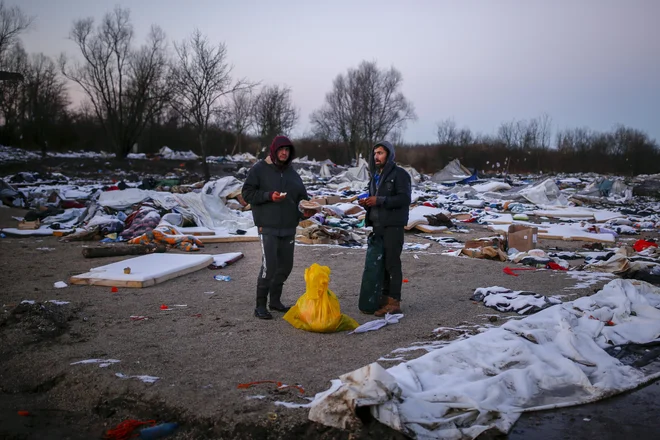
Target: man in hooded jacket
274,190
388,206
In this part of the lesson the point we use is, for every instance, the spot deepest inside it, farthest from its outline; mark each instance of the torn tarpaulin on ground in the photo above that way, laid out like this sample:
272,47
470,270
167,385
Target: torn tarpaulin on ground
507,300
554,358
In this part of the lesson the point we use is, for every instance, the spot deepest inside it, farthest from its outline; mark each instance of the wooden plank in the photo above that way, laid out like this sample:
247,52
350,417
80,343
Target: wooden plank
231,239
431,229
576,238
121,250
196,231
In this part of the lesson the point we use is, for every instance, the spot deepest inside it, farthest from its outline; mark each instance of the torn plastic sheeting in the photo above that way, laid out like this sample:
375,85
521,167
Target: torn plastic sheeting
453,172
378,323
491,186
552,359
103,363
546,193
143,378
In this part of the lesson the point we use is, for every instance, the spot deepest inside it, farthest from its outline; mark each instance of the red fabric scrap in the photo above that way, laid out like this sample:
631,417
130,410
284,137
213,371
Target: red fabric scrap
554,266
640,245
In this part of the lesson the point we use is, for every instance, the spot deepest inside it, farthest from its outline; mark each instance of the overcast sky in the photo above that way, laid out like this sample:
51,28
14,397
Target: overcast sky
592,63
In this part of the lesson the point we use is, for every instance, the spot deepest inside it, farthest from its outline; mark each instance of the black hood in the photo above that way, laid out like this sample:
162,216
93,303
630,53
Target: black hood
390,156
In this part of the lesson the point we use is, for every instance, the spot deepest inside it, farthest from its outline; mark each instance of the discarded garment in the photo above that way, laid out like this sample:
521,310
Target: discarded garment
167,235
507,300
378,323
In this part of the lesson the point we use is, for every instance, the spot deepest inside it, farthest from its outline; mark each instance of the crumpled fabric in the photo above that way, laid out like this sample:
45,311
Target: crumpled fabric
377,324
140,222
168,236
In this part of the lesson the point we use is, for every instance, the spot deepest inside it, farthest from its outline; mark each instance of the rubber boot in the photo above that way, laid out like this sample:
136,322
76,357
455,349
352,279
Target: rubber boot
261,312
275,303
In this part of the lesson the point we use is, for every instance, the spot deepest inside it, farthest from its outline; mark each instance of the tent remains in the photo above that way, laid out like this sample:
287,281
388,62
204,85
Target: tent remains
454,172
563,355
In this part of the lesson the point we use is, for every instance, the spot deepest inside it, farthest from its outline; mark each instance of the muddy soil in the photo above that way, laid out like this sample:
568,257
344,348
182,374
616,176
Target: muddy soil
203,351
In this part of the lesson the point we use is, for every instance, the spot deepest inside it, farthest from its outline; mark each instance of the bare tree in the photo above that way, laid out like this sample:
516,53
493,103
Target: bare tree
240,116
341,118
385,108
274,112
201,77
126,86
465,137
577,140
363,107
506,134
545,131
12,97
447,132
46,99
13,21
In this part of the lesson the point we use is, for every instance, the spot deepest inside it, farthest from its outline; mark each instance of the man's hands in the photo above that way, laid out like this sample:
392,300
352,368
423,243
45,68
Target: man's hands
278,196
368,201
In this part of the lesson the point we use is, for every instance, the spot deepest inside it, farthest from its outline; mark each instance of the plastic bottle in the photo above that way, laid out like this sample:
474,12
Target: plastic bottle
222,277
158,431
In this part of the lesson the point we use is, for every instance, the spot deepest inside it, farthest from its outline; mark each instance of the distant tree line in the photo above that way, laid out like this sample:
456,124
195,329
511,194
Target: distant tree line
140,97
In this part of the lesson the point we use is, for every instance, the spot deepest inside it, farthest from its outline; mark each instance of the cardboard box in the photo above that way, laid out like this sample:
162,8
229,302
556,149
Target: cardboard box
494,242
320,240
522,237
329,200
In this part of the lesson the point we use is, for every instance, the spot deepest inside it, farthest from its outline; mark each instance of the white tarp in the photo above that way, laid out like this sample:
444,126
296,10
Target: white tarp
207,207
552,359
414,174
452,173
168,153
491,186
325,171
546,193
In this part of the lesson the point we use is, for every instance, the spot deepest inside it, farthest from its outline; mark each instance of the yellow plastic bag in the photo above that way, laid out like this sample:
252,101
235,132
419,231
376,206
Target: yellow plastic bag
317,310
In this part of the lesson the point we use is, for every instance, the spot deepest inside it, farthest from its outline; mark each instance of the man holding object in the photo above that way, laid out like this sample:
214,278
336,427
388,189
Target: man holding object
388,205
274,190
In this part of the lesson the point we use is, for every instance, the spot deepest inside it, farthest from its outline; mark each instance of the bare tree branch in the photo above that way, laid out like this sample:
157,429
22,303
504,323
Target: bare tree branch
125,86
200,79
274,113
13,21
363,107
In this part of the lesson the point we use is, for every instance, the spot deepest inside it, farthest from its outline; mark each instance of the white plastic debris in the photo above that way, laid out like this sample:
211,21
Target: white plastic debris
378,323
143,378
60,285
103,363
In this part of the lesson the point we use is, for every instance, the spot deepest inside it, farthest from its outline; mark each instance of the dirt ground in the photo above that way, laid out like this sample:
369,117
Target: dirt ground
202,352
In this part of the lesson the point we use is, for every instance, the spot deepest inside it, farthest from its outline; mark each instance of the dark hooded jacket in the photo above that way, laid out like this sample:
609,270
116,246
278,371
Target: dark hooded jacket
393,192
269,175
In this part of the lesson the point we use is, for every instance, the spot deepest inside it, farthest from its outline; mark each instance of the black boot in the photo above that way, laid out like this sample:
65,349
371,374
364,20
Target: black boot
261,312
275,303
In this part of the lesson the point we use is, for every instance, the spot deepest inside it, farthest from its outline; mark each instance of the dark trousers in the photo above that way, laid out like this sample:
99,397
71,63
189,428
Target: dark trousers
276,265
393,245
